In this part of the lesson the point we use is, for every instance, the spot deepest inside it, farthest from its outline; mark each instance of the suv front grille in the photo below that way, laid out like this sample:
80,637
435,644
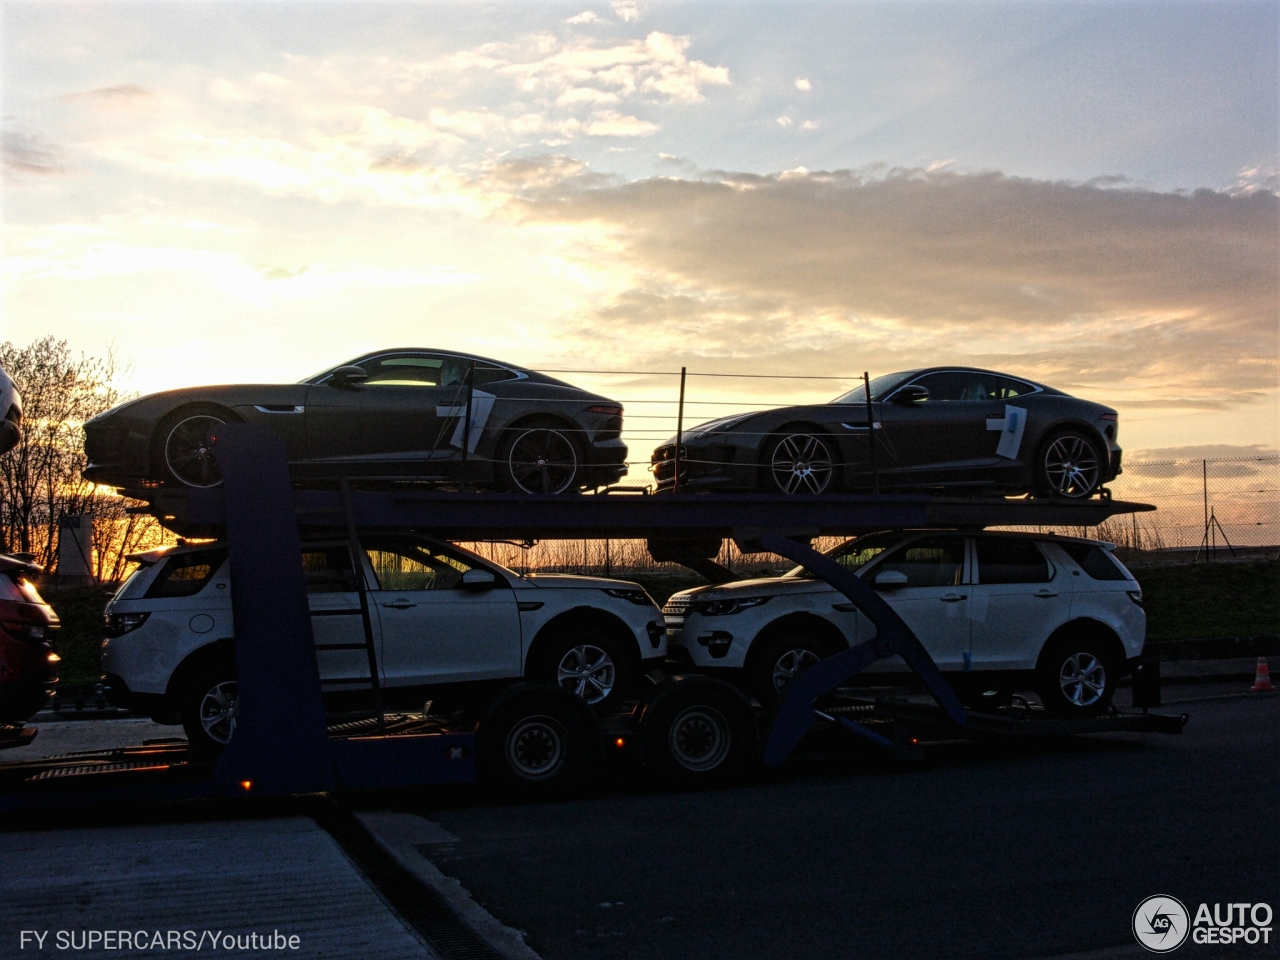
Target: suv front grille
677,606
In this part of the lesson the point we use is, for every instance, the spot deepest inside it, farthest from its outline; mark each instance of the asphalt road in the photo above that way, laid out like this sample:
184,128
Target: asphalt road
985,853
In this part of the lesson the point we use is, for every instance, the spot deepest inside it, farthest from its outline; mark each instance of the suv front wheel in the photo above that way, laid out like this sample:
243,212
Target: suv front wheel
589,663
779,660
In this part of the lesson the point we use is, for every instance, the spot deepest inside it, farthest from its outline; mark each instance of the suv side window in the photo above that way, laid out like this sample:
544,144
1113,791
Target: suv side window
855,553
186,574
1009,560
928,562
413,565
328,570
1094,561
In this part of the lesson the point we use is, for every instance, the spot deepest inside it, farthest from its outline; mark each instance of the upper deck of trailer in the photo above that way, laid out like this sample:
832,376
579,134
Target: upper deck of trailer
466,515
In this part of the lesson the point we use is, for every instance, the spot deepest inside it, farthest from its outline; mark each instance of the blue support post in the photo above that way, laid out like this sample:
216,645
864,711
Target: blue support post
893,637
281,744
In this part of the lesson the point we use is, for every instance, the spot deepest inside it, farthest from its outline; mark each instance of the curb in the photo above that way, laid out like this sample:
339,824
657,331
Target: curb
437,907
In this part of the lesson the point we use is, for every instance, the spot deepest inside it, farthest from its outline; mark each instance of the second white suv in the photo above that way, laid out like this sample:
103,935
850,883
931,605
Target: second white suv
998,612
444,620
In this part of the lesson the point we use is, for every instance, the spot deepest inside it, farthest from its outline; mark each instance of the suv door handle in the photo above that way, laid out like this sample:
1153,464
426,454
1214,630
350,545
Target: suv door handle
400,604
1044,594
953,597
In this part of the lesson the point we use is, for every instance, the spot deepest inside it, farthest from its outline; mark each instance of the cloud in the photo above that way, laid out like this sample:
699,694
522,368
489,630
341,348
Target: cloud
586,16
28,154
1259,179
227,271
608,123
802,83
626,10
1159,299
657,67
1208,451
401,132
123,93
1225,460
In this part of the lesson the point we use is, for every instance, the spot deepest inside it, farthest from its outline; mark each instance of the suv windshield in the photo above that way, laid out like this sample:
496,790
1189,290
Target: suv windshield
856,552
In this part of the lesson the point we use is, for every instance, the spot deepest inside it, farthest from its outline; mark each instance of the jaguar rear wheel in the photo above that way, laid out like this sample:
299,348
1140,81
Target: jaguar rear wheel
540,458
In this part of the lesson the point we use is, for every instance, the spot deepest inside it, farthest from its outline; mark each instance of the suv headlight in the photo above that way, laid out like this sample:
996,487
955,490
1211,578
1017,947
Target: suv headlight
24,629
118,624
726,607
634,595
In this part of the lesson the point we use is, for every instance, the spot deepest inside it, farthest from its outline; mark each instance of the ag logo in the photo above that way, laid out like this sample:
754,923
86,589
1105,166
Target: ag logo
1161,924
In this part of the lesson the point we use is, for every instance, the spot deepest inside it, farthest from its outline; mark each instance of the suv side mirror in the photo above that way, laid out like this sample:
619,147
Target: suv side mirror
349,376
478,579
890,580
912,393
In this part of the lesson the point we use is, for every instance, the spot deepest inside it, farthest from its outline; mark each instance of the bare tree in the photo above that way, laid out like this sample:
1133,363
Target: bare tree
40,479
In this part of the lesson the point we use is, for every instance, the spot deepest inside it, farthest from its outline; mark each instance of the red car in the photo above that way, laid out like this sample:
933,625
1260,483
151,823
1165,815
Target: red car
28,665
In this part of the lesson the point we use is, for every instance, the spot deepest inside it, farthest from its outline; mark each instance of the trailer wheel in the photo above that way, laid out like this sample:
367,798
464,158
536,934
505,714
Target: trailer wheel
1076,677
698,732
534,742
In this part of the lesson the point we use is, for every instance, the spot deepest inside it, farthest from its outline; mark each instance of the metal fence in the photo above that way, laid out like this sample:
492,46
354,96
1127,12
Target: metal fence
1200,503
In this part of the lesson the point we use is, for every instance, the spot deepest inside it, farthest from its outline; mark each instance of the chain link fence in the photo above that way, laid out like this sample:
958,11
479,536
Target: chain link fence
1232,501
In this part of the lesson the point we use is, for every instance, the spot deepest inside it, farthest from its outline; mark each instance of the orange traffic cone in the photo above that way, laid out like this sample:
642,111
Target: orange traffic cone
1262,680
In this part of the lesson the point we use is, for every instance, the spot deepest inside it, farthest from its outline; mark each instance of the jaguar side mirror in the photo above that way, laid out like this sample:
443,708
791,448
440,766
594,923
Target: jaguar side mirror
477,580
349,376
890,580
914,393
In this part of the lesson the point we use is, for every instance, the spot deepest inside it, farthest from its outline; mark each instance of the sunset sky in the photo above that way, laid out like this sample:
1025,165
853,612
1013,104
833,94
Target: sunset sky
1085,194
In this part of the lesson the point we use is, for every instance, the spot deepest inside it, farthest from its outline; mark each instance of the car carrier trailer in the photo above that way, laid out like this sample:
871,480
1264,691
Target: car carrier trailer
686,729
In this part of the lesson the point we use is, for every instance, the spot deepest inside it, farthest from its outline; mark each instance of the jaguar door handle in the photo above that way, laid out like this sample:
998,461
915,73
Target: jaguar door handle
400,605
954,597
1044,594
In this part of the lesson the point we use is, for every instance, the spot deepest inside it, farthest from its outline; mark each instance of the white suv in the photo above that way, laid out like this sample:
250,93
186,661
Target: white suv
998,612
442,617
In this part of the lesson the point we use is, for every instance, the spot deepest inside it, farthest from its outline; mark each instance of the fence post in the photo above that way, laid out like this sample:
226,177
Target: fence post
675,478
871,433
1204,480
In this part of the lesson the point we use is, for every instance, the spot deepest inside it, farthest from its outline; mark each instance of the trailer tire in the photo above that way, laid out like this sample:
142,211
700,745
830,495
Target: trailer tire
1076,676
534,742
698,732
